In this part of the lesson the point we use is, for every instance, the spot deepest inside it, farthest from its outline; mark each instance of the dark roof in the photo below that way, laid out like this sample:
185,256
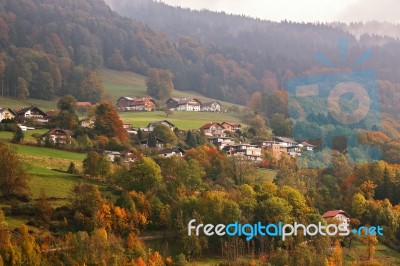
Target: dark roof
284,139
170,150
180,101
11,110
160,122
209,103
208,125
66,131
333,213
307,144
26,109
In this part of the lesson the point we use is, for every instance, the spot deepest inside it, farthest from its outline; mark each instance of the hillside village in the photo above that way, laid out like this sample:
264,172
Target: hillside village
223,135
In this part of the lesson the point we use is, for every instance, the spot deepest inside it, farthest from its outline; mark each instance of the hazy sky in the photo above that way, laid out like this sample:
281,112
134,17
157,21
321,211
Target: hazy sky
303,10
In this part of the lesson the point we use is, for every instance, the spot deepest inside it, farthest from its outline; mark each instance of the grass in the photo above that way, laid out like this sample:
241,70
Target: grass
7,136
125,83
16,103
383,254
183,120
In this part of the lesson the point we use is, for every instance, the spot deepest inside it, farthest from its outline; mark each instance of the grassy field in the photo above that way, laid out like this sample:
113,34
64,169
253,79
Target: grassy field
183,120
125,83
19,103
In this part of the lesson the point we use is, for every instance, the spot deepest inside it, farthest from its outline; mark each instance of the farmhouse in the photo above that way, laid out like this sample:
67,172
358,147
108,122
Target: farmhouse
213,129
214,106
7,113
136,104
339,215
58,136
32,112
231,126
151,126
169,152
184,104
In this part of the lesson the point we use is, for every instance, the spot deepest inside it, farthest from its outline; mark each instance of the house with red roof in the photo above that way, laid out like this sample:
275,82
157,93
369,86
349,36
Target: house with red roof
339,215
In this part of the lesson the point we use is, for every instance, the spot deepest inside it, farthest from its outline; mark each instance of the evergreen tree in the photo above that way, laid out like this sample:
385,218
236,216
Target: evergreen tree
152,140
190,139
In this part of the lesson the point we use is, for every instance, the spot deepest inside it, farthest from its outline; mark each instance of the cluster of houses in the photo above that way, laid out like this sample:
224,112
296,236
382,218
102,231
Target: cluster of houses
174,104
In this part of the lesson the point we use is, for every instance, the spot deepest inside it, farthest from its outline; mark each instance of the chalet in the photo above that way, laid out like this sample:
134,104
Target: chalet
87,123
143,104
124,102
250,152
7,113
339,215
213,129
151,126
169,152
221,142
231,126
32,112
58,136
136,104
214,106
184,104
159,143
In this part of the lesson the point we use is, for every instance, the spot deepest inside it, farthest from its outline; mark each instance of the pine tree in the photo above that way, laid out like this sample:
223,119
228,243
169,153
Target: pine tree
152,141
190,139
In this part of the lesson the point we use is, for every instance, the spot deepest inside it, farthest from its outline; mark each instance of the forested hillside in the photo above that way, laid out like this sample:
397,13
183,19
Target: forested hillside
227,53
51,48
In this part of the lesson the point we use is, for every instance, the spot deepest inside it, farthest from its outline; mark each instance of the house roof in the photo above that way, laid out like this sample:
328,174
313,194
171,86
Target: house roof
9,109
284,139
159,123
142,101
52,113
83,104
209,104
171,150
180,101
333,213
209,125
26,109
66,131
305,144
232,124
125,98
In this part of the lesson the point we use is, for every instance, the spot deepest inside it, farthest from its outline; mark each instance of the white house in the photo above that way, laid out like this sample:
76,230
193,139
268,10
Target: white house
214,106
7,113
251,152
184,104
169,152
151,126
339,215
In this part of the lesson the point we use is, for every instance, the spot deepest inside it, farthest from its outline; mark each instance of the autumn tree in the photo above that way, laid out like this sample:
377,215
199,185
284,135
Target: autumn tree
85,198
159,83
96,165
91,88
144,175
116,61
66,117
165,133
108,123
13,174
22,88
